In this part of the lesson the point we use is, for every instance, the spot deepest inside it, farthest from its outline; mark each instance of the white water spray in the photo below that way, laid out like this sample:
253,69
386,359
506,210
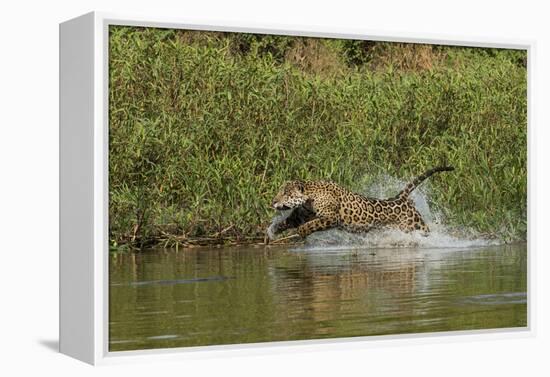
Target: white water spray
279,218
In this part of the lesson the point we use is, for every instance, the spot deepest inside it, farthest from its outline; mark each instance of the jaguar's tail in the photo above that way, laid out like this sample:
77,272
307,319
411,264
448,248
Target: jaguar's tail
418,180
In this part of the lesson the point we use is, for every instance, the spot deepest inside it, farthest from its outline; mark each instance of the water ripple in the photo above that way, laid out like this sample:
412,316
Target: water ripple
496,299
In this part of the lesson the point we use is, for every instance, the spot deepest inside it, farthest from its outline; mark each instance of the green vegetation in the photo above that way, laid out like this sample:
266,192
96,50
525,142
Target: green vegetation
205,127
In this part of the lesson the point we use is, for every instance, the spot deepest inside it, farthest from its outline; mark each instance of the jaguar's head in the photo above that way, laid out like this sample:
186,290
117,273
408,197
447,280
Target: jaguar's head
291,195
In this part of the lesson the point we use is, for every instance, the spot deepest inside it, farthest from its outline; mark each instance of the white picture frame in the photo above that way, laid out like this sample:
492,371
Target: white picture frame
84,190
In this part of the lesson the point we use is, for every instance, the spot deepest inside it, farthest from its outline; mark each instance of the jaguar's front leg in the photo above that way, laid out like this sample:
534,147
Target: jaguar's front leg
317,224
281,227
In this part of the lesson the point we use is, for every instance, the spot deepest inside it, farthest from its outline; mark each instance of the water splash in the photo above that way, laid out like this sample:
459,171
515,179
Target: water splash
279,218
384,186
439,237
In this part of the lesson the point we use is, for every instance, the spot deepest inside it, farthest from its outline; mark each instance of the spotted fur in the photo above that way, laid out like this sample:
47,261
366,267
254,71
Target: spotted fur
320,205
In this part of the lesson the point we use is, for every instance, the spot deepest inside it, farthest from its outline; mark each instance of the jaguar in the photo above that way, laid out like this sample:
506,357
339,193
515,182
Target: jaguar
313,206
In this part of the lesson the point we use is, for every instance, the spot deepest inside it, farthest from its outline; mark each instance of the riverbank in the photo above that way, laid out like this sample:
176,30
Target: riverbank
205,127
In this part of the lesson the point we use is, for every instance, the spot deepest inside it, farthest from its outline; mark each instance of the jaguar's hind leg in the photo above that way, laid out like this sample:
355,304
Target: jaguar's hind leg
414,222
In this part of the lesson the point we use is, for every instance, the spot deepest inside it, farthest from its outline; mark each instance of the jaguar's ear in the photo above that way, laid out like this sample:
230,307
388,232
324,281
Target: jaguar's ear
300,186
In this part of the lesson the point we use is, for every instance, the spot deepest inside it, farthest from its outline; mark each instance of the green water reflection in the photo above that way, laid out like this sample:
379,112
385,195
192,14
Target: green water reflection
166,298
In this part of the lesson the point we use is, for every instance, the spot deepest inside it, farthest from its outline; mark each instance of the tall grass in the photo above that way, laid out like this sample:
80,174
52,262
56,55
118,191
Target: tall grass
205,127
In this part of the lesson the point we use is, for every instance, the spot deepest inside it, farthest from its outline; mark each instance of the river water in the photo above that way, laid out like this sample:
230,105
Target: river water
167,298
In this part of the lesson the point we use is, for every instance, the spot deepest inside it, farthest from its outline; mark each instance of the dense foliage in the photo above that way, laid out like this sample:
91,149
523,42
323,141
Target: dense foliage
205,127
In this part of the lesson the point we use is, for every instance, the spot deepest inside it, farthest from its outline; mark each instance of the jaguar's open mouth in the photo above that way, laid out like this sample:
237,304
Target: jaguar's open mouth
281,207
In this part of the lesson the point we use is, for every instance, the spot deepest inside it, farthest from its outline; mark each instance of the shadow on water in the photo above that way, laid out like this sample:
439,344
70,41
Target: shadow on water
166,298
